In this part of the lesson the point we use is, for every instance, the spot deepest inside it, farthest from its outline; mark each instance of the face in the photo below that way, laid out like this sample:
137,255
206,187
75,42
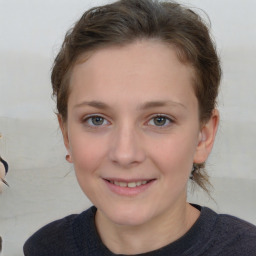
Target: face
133,130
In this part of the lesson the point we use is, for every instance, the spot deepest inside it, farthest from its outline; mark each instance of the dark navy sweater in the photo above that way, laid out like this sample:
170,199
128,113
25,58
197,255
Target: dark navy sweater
212,235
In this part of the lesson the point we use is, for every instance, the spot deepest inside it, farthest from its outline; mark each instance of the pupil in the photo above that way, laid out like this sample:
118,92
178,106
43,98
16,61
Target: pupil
160,120
97,120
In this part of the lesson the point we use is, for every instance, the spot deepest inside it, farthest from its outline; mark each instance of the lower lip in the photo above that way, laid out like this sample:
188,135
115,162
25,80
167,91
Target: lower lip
126,191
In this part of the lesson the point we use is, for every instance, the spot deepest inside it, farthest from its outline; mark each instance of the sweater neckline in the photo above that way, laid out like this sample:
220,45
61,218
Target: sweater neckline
185,245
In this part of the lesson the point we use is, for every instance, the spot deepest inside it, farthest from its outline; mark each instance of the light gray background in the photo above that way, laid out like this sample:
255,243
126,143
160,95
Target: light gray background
43,185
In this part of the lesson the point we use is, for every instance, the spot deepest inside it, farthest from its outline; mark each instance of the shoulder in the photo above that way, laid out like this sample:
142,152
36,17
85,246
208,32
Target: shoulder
50,237
238,230
58,237
236,226
233,236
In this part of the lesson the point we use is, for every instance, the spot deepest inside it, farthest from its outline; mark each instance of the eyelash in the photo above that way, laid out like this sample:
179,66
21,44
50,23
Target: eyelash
89,121
166,119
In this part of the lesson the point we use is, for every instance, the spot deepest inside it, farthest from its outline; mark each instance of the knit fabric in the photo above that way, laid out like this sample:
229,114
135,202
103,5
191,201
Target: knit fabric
212,235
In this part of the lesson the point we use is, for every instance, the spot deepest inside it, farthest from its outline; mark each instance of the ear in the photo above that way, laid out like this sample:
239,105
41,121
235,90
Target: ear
206,138
63,127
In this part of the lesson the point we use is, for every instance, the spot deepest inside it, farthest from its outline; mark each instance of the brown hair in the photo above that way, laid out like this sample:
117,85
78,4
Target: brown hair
126,21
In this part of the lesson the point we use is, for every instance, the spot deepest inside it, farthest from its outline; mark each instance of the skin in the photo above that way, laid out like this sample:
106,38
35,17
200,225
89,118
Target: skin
128,87
2,175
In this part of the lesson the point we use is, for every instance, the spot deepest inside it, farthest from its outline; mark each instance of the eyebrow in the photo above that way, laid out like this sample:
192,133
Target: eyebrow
144,106
152,104
95,104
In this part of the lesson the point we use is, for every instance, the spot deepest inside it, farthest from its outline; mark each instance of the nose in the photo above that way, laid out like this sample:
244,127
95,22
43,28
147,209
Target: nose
126,148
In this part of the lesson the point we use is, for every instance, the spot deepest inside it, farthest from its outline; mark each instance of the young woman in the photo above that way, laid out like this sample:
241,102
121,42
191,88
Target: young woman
136,83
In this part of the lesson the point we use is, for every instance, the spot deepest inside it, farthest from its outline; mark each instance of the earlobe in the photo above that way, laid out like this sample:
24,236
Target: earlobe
206,138
63,128
68,158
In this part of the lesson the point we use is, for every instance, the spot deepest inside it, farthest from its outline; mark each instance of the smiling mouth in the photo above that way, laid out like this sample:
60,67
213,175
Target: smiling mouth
132,184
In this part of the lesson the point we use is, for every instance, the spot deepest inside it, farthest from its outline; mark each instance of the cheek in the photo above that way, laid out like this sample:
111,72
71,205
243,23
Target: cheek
87,153
175,162
87,156
174,155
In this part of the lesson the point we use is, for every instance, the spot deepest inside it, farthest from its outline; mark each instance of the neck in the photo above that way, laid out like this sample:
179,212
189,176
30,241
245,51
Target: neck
159,232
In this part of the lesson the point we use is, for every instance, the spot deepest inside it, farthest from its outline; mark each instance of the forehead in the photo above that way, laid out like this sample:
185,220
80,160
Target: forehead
144,68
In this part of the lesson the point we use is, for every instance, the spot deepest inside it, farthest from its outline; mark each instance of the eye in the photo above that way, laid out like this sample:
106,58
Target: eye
96,121
160,121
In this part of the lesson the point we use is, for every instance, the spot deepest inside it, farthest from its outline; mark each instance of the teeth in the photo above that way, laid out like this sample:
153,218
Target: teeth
138,183
129,185
122,184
